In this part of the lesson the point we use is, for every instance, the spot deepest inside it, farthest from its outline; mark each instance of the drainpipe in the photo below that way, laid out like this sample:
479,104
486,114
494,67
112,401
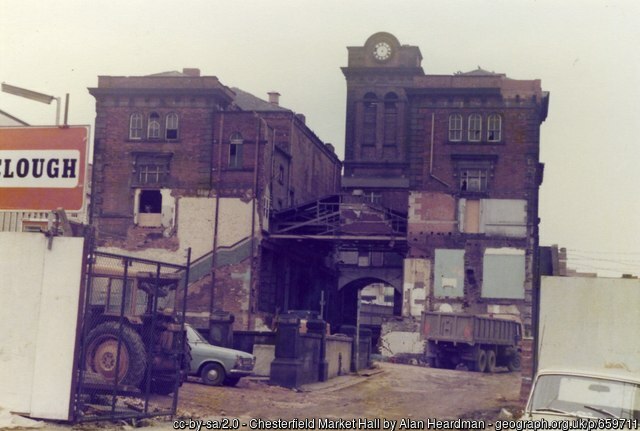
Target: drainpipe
216,219
253,220
433,123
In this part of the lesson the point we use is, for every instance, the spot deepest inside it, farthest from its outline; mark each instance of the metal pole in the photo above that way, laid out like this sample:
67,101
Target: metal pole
57,99
358,332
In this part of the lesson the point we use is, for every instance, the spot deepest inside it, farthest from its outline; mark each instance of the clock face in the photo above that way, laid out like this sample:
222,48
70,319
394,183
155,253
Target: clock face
382,51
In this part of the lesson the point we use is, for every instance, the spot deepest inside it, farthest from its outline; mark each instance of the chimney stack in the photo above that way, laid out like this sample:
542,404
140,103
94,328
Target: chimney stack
191,71
274,98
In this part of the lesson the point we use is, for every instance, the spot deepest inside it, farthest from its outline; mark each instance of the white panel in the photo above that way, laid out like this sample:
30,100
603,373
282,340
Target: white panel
21,266
590,323
504,217
57,325
38,322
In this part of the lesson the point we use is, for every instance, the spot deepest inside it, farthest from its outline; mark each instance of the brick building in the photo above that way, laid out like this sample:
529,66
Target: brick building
459,154
181,160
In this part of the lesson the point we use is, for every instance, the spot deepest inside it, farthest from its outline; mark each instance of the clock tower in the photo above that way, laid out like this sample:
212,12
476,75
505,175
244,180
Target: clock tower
376,139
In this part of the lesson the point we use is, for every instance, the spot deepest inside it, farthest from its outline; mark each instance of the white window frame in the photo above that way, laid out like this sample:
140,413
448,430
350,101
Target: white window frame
455,127
135,126
153,128
235,146
171,124
494,128
475,128
476,179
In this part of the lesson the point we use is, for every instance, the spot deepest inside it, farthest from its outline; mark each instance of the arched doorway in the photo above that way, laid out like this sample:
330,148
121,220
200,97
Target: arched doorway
379,300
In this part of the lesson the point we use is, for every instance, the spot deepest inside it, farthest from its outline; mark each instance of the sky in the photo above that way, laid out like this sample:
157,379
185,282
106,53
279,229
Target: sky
585,52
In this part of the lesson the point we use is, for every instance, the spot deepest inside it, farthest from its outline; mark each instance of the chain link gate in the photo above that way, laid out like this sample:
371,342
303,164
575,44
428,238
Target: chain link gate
133,350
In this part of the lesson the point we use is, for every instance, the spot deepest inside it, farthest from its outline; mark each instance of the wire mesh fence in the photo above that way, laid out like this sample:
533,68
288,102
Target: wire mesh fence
133,350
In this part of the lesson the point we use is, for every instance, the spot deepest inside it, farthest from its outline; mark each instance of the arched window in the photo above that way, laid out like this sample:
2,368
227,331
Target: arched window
370,120
235,150
390,119
153,129
455,127
135,126
475,128
494,128
171,126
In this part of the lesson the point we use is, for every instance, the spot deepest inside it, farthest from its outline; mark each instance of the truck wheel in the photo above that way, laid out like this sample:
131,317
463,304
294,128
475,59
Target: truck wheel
491,361
212,374
481,361
102,352
514,362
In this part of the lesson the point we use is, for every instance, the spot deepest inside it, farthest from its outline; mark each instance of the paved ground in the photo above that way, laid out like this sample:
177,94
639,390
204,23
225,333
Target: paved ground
392,391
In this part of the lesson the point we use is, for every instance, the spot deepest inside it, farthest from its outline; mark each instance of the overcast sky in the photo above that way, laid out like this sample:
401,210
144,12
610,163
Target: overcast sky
586,52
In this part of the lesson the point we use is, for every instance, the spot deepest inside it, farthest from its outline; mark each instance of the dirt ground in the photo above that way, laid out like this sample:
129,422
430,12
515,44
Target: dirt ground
390,391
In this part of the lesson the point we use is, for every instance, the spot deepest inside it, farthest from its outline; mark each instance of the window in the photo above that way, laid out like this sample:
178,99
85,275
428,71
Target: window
455,127
149,211
153,129
475,127
135,126
281,174
370,120
494,126
235,150
390,119
152,169
473,180
171,129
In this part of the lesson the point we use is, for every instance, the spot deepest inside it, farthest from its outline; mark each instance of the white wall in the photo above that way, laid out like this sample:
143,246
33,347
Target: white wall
39,294
590,323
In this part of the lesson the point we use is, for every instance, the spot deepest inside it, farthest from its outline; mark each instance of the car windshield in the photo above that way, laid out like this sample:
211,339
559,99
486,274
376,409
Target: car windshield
194,336
586,396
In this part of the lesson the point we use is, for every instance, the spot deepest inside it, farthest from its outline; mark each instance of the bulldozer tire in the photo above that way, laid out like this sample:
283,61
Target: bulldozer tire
102,351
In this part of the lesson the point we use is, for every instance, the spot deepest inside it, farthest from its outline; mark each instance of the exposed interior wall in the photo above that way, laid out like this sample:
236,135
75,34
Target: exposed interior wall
40,297
417,273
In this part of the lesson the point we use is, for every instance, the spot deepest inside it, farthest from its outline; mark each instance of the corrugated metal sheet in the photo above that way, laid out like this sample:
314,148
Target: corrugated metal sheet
449,273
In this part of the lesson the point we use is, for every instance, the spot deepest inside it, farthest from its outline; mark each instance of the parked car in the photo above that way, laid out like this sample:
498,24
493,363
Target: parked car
217,365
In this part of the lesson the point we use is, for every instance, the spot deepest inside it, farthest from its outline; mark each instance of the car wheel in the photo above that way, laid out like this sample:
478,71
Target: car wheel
231,381
212,374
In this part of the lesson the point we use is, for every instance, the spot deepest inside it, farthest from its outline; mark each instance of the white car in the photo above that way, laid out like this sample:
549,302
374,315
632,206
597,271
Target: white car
217,365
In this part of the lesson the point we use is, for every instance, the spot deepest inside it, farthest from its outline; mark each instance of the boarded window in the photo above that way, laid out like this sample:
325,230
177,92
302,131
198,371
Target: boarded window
503,273
469,215
449,273
504,217
390,119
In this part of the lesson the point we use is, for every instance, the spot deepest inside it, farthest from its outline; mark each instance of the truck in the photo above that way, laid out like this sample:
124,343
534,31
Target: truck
588,353
153,347
481,342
